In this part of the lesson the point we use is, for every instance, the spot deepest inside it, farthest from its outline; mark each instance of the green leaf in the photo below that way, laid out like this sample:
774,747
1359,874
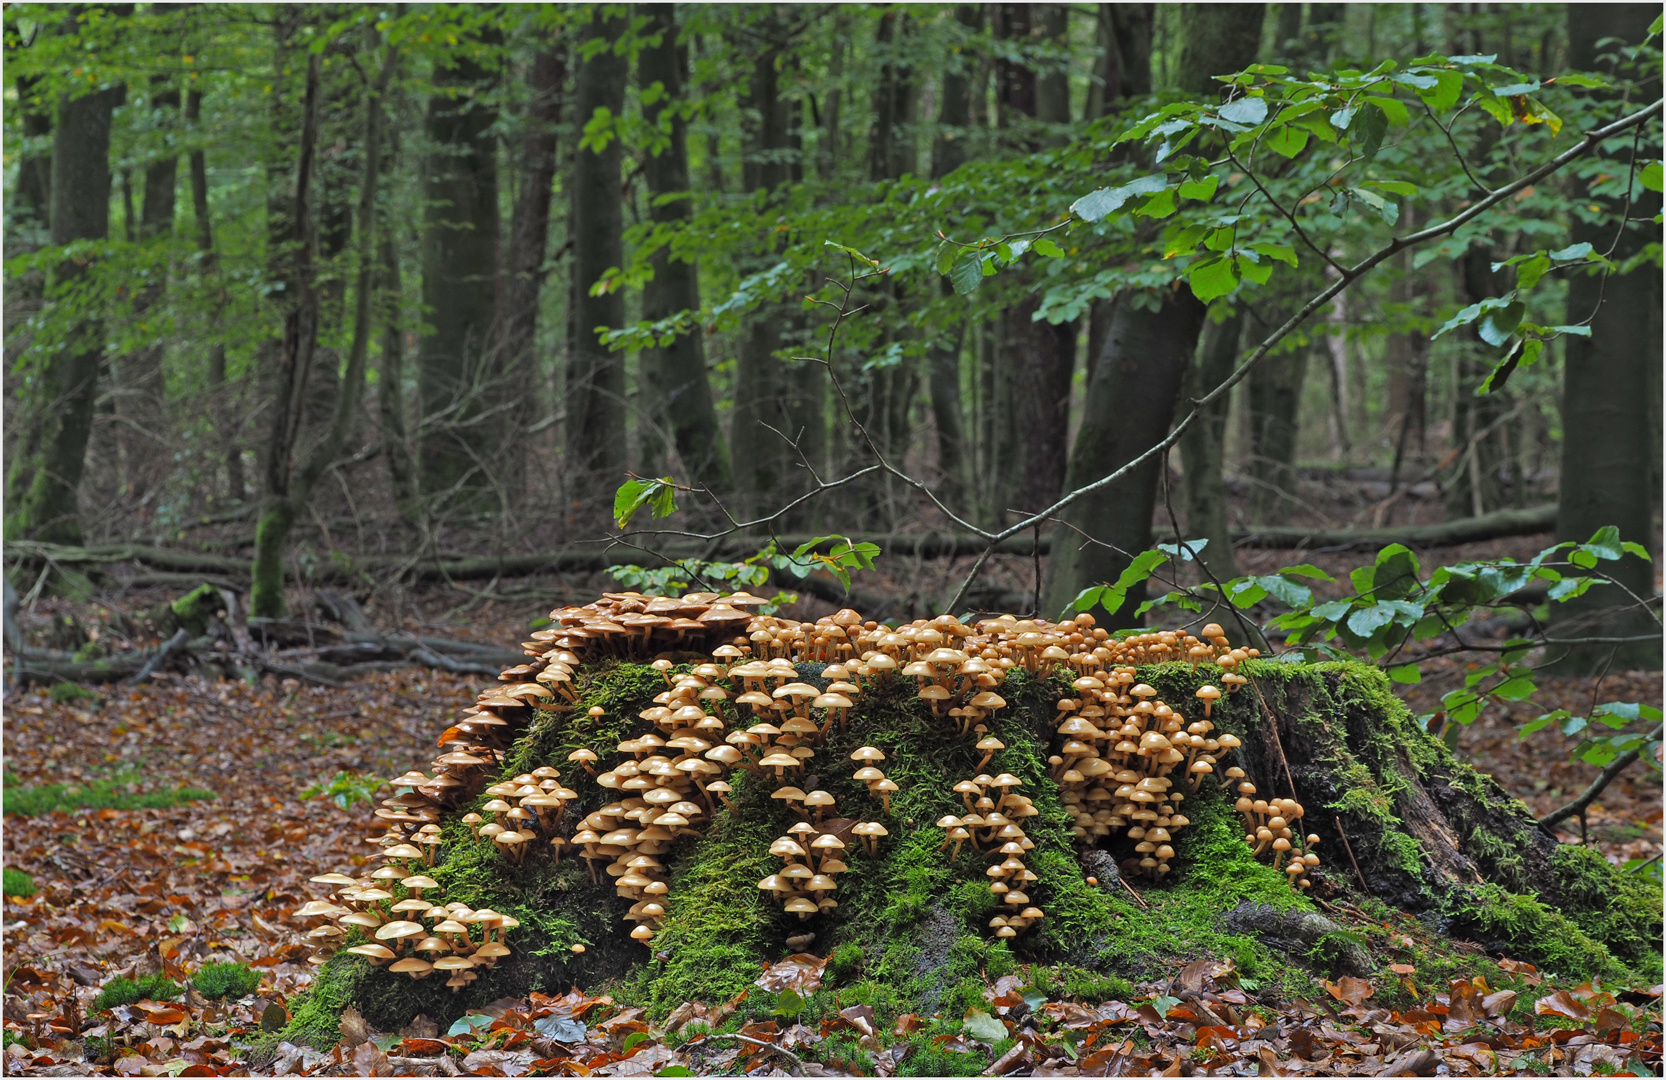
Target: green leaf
674,1070
1387,210
1532,269
1366,130
945,258
1650,176
1525,354
1248,111
635,1039
1634,548
1498,324
1574,253
1287,140
1406,673
1396,187
1258,272
1605,543
1201,190
983,1027
1184,241
852,252
1449,85
1393,110
1112,597
967,272
659,495
1160,205
467,1024
1045,246
1366,621
1395,574
1097,205
1306,570
1282,252
1212,279
788,1004
1186,550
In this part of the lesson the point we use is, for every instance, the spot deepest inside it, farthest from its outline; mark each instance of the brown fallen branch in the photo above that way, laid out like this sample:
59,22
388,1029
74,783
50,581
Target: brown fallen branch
1493,526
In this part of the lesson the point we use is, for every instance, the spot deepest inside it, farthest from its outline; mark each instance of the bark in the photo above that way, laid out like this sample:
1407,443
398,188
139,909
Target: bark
524,271
1130,406
42,486
1052,86
1220,39
1475,487
282,505
1275,396
1014,81
676,372
32,196
1122,64
1611,439
891,145
459,272
225,413
1203,446
141,437
1407,355
390,384
596,378
943,360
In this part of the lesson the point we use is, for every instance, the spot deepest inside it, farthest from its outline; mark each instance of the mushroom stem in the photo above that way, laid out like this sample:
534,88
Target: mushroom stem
885,800
955,854
985,761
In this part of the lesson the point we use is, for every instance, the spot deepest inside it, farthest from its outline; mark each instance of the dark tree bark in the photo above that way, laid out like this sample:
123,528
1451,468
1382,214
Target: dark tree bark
1611,382
225,412
140,437
289,490
31,198
1203,446
1220,39
1014,81
1407,355
1122,64
1052,85
596,378
891,146
1130,407
524,272
1275,396
1475,487
390,383
677,372
459,275
42,485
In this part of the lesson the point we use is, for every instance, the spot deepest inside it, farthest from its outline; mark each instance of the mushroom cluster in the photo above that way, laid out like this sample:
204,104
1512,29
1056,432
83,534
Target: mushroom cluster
990,824
540,801
633,626
394,923
1272,825
805,887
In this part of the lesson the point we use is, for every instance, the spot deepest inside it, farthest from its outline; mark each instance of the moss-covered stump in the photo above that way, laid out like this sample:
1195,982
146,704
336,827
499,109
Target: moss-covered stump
910,933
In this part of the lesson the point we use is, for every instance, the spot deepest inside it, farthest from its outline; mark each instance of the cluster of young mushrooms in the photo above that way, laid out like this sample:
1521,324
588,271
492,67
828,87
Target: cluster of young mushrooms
413,934
1124,761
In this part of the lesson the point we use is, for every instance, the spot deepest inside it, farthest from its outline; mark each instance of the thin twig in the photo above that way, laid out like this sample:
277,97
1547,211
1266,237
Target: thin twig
793,1059
1349,848
1140,899
1604,778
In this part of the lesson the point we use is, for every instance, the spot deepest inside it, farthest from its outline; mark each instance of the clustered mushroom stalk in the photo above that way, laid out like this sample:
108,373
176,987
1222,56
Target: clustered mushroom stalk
1002,840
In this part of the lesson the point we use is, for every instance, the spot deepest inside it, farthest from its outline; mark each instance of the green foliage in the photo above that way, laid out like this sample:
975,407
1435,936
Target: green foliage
17,883
125,991
659,496
65,692
117,792
346,789
225,980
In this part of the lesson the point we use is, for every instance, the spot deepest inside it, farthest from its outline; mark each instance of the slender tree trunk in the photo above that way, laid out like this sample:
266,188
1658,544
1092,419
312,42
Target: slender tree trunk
300,332
1052,86
529,232
390,383
943,361
1407,356
45,475
289,491
1275,397
1130,407
32,196
1203,446
1475,487
141,436
459,274
1611,384
596,380
225,414
676,372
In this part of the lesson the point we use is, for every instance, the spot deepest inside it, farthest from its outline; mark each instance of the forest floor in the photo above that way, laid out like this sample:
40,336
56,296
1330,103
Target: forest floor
139,872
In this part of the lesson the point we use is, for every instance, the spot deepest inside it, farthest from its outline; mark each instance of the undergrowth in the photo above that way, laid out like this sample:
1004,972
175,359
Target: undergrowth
120,791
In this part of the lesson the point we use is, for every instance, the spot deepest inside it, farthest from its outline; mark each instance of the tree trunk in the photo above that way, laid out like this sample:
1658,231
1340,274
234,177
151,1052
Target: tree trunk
524,272
1130,407
1610,440
1220,39
1203,446
1407,356
141,436
943,361
1475,487
390,384
1052,85
45,476
596,380
1275,398
225,412
1014,81
459,273
287,495
676,372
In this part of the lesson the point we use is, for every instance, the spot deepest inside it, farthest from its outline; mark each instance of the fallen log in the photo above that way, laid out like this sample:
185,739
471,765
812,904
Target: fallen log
929,545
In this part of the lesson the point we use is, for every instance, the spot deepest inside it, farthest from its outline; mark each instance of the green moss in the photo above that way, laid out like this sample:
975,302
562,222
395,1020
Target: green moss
65,692
315,1019
1622,910
110,793
17,883
225,980
124,991
1522,927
